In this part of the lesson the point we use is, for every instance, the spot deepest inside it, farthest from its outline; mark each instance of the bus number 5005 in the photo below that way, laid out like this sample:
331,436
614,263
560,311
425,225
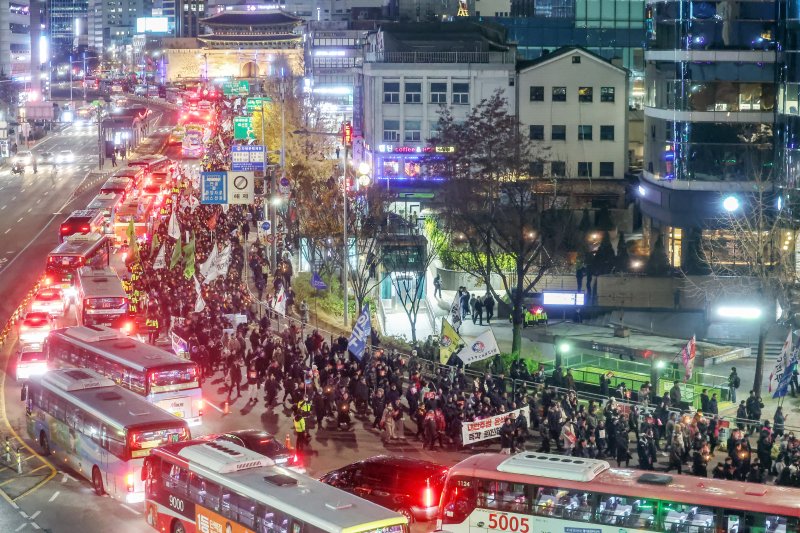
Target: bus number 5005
176,503
508,523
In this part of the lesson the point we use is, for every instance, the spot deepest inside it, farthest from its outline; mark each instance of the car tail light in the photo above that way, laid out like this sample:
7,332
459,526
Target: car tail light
427,497
85,228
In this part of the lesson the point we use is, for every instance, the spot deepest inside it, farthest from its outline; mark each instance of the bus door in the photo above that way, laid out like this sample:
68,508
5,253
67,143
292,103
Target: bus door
109,480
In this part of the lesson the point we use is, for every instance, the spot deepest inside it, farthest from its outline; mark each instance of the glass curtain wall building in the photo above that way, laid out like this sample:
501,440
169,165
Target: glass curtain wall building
710,104
67,20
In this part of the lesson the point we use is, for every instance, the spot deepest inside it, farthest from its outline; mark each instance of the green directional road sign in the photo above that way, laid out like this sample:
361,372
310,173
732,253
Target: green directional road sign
243,128
236,88
257,102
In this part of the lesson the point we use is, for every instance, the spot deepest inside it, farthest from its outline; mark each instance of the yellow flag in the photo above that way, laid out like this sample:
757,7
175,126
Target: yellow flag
449,342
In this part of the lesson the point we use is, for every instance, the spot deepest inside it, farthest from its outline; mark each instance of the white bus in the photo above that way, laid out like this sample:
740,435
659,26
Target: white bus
100,299
162,378
102,431
220,486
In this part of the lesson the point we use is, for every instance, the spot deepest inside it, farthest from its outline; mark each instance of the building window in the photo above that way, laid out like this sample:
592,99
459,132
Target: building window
606,94
391,130
537,93
558,168
606,169
391,92
606,133
576,60
412,132
536,132
558,133
537,169
434,129
584,169
585,94
413,93
584,133
461,93
559,94
438,93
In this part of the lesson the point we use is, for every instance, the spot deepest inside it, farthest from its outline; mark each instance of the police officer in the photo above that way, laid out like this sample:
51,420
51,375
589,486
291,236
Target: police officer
152,327
300,432
304,407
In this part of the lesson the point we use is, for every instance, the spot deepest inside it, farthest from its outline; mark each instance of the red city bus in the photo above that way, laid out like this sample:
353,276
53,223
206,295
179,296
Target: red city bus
76,251
82,221
532,492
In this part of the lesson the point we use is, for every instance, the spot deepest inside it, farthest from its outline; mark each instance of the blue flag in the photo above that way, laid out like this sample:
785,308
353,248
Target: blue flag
317,283
361,334
785,378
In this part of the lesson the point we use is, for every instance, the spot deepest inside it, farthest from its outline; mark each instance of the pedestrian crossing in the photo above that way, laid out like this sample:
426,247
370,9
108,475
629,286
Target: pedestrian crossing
74,132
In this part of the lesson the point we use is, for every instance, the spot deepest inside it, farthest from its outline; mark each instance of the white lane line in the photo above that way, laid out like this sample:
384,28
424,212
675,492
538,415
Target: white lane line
131,509
20,220
14,199
39,201
23,190
9,229
46,193
35,525
1,208
54,496
30,209
23,514
34,515
21,526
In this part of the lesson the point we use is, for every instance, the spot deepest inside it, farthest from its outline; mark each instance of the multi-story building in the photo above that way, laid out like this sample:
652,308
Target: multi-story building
709,115
188,14
15,39
67,21
409,72
113,25
572,104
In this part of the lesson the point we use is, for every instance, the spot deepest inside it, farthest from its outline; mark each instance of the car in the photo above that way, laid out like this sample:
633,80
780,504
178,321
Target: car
35,327
50,300
65,156
31,361
409,486
45,158
23,157
264,443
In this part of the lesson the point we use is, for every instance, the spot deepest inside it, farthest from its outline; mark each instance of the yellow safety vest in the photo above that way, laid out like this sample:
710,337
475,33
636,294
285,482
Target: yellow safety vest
304,406
300,425
151,323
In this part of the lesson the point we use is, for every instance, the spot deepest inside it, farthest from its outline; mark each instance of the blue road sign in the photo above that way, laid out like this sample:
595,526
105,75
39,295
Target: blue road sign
247,158
266,225
214,188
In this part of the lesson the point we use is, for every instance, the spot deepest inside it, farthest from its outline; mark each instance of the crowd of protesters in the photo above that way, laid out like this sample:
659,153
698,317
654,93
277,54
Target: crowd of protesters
324,387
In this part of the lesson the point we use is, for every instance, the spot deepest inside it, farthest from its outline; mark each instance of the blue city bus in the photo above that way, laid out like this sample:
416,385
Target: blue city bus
97,428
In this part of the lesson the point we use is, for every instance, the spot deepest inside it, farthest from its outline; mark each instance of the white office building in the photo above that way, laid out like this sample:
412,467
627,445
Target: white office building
409,72
573,105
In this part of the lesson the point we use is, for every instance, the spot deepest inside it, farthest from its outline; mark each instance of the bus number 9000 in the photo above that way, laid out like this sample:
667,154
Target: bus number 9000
176,503
504,522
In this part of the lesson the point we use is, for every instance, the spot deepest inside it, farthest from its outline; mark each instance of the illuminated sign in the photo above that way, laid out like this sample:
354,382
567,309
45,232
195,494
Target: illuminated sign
393,149
329,53
152,25
347,133
563,298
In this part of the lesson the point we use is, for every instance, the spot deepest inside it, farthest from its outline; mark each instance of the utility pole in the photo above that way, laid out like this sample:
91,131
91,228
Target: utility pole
346,253
70,79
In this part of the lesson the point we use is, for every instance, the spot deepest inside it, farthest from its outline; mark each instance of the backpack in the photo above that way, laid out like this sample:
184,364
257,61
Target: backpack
737,382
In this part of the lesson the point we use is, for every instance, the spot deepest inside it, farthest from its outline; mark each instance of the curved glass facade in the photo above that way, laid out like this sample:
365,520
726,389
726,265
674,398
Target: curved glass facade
710,103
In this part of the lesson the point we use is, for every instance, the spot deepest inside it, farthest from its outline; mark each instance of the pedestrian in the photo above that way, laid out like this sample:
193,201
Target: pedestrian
464,302
437,286
478,311
507,436
387,424
733,383
300,433
779,421
114,159
252,381
234,380
488,304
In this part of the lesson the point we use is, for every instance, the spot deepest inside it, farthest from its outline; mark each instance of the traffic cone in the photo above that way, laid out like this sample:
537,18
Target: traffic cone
226,407
288,442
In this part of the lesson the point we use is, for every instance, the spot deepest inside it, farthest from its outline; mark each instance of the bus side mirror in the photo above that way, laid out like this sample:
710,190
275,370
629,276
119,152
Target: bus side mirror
23,393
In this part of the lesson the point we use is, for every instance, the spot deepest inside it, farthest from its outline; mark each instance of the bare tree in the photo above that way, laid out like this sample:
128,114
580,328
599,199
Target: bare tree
500,219
751,253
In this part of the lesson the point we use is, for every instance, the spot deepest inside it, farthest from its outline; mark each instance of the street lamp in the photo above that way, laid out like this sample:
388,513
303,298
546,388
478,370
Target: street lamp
364,171
730,203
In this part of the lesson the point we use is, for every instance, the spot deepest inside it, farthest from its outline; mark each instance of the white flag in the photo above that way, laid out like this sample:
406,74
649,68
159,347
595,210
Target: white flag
161,259
200,304
483,347
207,265
279,302
174,229
216,265
455,312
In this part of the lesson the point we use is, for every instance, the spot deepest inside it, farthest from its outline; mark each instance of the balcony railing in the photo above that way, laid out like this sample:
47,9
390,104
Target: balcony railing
440,57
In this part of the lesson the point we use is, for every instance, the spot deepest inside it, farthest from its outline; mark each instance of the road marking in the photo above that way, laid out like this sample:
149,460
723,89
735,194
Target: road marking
34,515
23,190
21,526
37,468
20,220
46,193
39,201
9,229
131,509
30,209
14,199
54,496
1,208
35,525
23,514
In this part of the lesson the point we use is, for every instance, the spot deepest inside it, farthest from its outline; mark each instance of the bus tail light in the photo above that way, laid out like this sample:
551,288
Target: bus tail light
200,407
129,482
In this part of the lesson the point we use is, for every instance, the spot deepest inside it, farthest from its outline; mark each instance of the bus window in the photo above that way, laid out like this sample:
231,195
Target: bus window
563,503
175,479
459,500
268,520
626,512
739,522
683,518
504,496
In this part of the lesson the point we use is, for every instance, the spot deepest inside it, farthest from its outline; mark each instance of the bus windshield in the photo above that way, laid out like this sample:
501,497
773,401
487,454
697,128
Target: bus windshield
172,379
141,441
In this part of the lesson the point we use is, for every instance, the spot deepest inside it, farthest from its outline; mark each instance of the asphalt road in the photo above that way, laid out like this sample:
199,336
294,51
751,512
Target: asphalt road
58,500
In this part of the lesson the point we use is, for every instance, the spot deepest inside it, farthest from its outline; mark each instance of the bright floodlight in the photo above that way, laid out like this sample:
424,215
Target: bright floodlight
740,312
363,168
730,203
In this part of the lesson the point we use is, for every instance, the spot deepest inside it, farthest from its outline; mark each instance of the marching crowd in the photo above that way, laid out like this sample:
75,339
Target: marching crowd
324,387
